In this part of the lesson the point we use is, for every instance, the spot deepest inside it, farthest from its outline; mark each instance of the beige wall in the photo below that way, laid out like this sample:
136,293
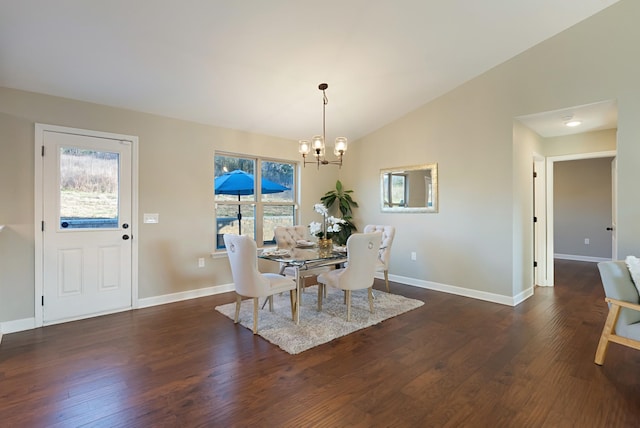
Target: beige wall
175,180
482,237
480,240
586,142
16,213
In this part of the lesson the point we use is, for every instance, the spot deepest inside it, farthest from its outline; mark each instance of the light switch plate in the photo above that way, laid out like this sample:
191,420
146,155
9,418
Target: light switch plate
151,218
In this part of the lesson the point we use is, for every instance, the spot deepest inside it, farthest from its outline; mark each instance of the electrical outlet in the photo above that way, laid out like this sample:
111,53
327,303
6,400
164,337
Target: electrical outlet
201,262
586,241
413,256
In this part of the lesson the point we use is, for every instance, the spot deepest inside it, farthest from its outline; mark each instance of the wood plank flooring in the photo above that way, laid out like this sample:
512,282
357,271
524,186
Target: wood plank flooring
454,362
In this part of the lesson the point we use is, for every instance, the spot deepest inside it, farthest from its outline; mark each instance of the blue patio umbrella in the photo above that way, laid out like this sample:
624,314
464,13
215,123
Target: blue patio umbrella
241,183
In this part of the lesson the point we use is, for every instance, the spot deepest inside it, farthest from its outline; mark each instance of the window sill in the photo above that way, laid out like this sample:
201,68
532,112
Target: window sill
222,254
219,255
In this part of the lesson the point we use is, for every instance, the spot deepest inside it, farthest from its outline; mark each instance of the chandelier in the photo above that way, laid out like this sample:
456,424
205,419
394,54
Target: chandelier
316,145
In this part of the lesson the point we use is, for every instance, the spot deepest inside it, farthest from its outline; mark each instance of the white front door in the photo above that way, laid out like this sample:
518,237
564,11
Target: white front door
87,228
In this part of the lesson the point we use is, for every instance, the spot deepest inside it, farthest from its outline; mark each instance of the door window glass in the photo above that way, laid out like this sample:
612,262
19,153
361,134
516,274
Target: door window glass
88,189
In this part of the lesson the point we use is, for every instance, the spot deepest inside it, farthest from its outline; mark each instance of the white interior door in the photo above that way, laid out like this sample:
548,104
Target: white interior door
87,228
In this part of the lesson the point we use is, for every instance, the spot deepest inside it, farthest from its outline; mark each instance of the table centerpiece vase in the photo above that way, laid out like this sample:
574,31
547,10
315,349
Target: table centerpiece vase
325,247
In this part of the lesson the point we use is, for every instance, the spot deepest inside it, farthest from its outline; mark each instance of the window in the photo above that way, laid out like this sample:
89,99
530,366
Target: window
247,209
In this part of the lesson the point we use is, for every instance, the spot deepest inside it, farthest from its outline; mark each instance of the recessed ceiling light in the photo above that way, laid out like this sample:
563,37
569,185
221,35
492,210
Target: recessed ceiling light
570,121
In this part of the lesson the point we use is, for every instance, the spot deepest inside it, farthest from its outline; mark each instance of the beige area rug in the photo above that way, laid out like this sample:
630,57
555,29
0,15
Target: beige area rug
315,327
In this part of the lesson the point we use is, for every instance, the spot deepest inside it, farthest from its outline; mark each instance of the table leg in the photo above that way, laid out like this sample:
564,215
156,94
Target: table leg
298,293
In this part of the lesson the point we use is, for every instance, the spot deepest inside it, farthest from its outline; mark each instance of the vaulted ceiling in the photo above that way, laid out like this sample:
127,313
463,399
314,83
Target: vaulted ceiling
255,65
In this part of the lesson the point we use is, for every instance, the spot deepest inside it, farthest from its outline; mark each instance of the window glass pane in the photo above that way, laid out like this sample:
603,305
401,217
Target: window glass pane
276,215
88,189
277,182
227,221
234,178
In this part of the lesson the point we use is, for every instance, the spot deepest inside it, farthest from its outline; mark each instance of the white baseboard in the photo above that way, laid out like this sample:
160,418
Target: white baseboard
15,326
30,323
580,258
465,292
521,297
184,295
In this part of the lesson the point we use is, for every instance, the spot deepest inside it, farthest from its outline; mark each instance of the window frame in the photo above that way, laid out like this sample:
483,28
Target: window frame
257,201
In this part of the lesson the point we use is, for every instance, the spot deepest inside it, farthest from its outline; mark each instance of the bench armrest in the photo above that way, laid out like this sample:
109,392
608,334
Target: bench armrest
623,304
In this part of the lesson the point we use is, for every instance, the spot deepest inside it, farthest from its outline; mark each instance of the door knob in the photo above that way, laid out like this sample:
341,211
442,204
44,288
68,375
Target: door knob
609,228
125,237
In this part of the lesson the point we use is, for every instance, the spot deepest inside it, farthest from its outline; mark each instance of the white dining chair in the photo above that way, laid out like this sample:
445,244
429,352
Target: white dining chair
384,256
287,238
362,253
249,282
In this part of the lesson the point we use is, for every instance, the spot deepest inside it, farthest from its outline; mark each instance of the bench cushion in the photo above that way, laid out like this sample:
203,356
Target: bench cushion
633,264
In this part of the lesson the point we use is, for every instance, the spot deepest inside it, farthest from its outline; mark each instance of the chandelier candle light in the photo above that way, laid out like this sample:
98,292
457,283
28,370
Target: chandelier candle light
317,143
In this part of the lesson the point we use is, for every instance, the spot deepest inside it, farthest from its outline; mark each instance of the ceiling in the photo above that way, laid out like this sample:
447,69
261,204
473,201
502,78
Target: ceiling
255,65
592,117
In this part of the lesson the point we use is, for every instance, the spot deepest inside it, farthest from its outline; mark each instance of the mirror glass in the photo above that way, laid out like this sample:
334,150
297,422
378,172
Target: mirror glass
409,189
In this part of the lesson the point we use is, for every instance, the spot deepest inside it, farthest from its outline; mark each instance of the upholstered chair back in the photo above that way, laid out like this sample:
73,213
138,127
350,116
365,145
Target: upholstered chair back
388,233
362,257
243,252
287,236
362,253
249,282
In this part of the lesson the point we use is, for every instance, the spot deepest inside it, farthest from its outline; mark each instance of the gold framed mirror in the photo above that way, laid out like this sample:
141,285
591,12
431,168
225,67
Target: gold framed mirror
410,189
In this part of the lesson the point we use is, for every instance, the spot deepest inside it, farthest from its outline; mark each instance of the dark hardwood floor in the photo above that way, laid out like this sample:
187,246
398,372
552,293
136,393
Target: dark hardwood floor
453,362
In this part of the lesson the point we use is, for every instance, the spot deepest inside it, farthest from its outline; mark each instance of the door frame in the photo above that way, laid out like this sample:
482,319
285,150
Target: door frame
549,198
539,226
614,209
40,129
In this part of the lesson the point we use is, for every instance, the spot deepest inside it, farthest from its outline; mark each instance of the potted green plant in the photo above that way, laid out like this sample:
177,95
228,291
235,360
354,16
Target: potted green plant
345,204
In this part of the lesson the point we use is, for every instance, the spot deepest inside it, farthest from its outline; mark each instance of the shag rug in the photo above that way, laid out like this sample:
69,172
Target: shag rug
315,327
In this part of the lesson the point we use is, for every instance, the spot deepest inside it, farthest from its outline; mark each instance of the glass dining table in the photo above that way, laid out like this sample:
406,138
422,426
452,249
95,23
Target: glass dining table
301,260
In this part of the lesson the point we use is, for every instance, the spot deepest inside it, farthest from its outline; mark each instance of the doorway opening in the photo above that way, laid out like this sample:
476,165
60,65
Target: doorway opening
594,137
